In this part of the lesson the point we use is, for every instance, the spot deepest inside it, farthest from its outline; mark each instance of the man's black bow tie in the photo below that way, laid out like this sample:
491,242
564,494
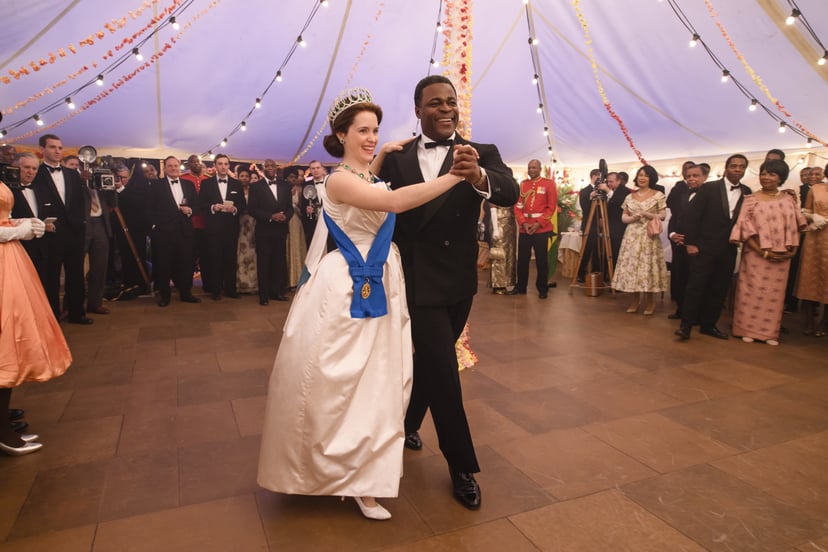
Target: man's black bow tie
436,143
735,187
173,181
53,169
222,181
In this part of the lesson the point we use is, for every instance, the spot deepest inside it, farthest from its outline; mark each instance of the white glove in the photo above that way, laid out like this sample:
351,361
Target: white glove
21,231
38,227
819,221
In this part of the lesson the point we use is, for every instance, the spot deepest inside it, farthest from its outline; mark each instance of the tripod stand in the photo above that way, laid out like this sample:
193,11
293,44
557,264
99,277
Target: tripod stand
597,223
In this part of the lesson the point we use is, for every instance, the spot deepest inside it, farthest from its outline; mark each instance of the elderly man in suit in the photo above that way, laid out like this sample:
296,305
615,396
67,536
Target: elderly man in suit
172,202
64,199
712,258
28,203
438,246
271,204
221,200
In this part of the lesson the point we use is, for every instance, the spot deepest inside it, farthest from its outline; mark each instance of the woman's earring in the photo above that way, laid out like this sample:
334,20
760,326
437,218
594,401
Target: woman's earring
342,140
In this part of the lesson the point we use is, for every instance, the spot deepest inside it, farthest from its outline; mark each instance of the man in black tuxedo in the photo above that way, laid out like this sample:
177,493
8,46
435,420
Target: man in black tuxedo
132,200
221,200
679,201
438,246
712,257
171,204
64,199
271,205
585,197
617,191
308,209
28,203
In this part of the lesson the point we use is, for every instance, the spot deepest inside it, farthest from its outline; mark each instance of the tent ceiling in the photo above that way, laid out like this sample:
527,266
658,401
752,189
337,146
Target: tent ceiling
668,95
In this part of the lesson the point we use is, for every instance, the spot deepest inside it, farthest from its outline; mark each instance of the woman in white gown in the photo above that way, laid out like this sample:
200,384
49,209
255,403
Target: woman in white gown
342,376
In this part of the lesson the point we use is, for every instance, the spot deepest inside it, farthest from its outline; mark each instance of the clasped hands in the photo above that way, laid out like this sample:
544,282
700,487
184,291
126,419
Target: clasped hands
278,217
465,165
777,256
531,227
222,208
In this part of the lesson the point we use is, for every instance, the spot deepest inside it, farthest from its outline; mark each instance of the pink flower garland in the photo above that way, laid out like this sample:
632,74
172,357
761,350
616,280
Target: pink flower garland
457,50
601,91
756,79
121,81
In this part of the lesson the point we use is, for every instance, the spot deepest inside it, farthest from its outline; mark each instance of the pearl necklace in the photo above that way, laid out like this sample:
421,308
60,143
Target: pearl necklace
371,178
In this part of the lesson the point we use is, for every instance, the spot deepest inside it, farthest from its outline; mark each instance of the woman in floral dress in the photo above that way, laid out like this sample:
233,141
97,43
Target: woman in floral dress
641,267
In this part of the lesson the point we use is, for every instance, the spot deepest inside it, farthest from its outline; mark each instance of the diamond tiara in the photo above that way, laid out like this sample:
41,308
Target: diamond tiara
348,98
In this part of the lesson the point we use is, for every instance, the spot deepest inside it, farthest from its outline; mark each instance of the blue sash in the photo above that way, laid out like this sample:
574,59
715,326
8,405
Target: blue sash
369,294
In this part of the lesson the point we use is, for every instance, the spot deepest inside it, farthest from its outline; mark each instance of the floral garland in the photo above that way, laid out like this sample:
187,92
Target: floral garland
347,83
607,104
121,81
111,26
109,54
457,50
755,77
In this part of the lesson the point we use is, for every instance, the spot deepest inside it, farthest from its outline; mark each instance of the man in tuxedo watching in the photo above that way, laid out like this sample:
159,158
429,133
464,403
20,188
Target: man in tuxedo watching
133,202
271,204
64,199
694,177
712,258
585,197
221,200
172,202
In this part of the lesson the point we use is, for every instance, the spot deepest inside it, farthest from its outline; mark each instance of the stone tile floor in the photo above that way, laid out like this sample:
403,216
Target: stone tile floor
595,429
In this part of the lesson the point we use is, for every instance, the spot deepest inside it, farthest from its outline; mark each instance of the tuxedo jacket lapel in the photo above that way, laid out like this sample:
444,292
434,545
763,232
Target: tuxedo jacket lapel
723,197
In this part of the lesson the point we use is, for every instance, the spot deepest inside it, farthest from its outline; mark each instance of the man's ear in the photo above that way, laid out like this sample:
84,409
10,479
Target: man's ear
417,111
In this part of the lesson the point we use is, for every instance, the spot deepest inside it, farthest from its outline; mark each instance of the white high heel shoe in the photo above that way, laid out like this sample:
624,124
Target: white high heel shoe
27,448
29,438
372,512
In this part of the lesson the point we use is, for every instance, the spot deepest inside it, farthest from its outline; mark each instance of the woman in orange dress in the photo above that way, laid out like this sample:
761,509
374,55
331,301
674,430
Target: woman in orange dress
32,344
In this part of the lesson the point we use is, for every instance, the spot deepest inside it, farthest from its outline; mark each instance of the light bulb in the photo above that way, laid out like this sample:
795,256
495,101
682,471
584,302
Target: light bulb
279,75
38,120
69,103
137,54
211,155
725,75
540,108
99,80
434,62
535,78
258,103
823,59
809,143
546,131
243,126
792,18
439,27
224,142
324,3
301,41
174,23
753,104
694,40
782,127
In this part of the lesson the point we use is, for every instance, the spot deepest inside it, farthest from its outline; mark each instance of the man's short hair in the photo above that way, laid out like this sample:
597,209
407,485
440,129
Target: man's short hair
288,171
428,81
775,151
593,172
46,137
70,157
736,156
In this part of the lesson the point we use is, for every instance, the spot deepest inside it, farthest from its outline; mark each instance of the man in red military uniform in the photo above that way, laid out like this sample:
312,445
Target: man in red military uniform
534,210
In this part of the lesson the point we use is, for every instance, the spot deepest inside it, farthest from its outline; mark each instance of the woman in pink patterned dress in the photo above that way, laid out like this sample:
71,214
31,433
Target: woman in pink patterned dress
768,229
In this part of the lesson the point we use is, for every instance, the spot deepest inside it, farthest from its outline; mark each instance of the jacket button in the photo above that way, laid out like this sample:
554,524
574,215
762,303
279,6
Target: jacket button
446,243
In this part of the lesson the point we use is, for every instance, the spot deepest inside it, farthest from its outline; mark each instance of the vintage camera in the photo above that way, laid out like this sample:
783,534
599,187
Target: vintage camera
102,177
10,175
309,192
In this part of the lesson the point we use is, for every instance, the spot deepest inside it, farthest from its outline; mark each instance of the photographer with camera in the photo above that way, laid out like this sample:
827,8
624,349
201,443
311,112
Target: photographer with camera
310,203
98,234
586,196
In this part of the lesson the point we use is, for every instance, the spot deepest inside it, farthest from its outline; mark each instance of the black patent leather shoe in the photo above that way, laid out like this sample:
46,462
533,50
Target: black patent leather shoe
19,426
684,331
84,320
263,302
164,301
466,490
674,316
16,414
413,441
543,294
713,331
190,299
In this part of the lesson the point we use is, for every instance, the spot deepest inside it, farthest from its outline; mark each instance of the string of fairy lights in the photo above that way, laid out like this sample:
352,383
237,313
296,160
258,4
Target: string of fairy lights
797,15
39,117
277,78
727,75
537,82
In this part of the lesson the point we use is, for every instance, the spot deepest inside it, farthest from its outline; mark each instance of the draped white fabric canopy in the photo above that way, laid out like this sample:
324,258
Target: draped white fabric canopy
668,95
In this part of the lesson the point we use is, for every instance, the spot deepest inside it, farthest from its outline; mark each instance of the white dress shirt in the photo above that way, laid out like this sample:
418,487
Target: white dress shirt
57,178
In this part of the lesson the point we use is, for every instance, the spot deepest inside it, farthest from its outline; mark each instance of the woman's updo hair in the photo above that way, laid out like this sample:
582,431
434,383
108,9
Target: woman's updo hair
343,122
651,173
777,167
